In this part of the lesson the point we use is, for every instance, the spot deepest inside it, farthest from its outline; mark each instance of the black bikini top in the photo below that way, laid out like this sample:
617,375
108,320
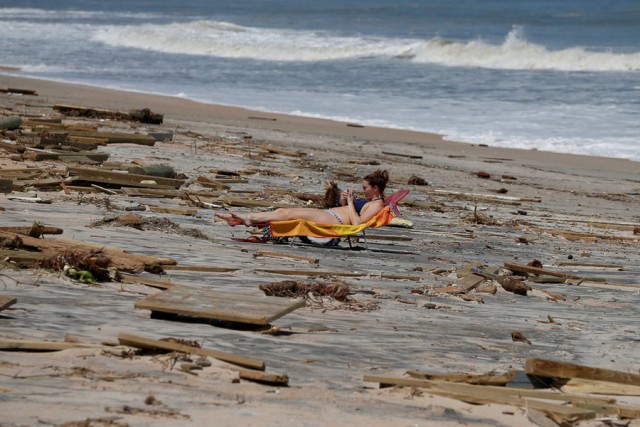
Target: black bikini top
359,203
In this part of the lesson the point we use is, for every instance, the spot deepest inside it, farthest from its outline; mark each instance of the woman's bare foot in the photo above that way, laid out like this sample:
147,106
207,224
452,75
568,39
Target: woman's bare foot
231,219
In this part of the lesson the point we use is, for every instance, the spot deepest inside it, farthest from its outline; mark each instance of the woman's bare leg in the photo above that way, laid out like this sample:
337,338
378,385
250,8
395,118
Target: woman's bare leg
317,215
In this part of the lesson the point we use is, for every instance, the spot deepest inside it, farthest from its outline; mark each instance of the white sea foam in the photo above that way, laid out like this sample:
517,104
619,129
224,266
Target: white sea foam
515,53
221,39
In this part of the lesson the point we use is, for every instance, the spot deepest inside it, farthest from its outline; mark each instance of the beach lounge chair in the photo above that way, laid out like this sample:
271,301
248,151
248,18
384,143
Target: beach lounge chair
303,228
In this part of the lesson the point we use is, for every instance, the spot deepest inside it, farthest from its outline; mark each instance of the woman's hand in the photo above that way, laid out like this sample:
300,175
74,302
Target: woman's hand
343,198
350,196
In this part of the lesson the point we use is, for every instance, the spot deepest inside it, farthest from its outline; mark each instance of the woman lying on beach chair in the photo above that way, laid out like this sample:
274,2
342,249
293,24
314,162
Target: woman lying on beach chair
353,211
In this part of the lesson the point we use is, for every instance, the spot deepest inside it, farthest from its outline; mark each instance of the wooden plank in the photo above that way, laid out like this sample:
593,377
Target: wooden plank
27,230
461,387
27,345
579,385
154,283
21,256
557,369
574,235
538,271
470,282
587,264
6,301
116,137
119,178
200,268
220,305
285,255
410,156
524,398
262,377
314,273
476,379
142,342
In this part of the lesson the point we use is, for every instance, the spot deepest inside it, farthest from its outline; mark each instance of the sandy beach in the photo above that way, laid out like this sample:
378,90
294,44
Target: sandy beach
578,215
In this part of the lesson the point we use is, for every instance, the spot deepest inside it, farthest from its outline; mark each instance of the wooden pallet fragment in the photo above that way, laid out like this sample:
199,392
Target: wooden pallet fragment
220,305
149,343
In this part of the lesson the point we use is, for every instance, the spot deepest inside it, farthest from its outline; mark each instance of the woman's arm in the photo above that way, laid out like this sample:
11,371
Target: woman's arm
368,211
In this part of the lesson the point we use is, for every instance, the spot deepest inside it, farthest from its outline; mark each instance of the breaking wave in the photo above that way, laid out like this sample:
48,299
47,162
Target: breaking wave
221,39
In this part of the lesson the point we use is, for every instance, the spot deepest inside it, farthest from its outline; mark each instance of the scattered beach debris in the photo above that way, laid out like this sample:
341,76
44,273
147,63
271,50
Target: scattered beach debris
144,115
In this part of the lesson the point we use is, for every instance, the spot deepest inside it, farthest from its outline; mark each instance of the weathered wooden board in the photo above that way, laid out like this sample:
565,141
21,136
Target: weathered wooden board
27,345
556,369
220,305
124,179
154,283
142,342
264,378
6,301
501,395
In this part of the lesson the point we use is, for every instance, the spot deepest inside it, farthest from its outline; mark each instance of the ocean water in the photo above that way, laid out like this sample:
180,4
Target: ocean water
561,76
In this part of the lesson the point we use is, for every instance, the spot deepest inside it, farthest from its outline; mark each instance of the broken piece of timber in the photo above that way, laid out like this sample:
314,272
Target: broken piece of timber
200,268
312,273
116,137
523,398
141,342
262,377
280,151
579,385
30,230
556,369
220,305
123,179
543,271
476,379
284,255
154,283
6,302
586,264
27,345
575,235
410,156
